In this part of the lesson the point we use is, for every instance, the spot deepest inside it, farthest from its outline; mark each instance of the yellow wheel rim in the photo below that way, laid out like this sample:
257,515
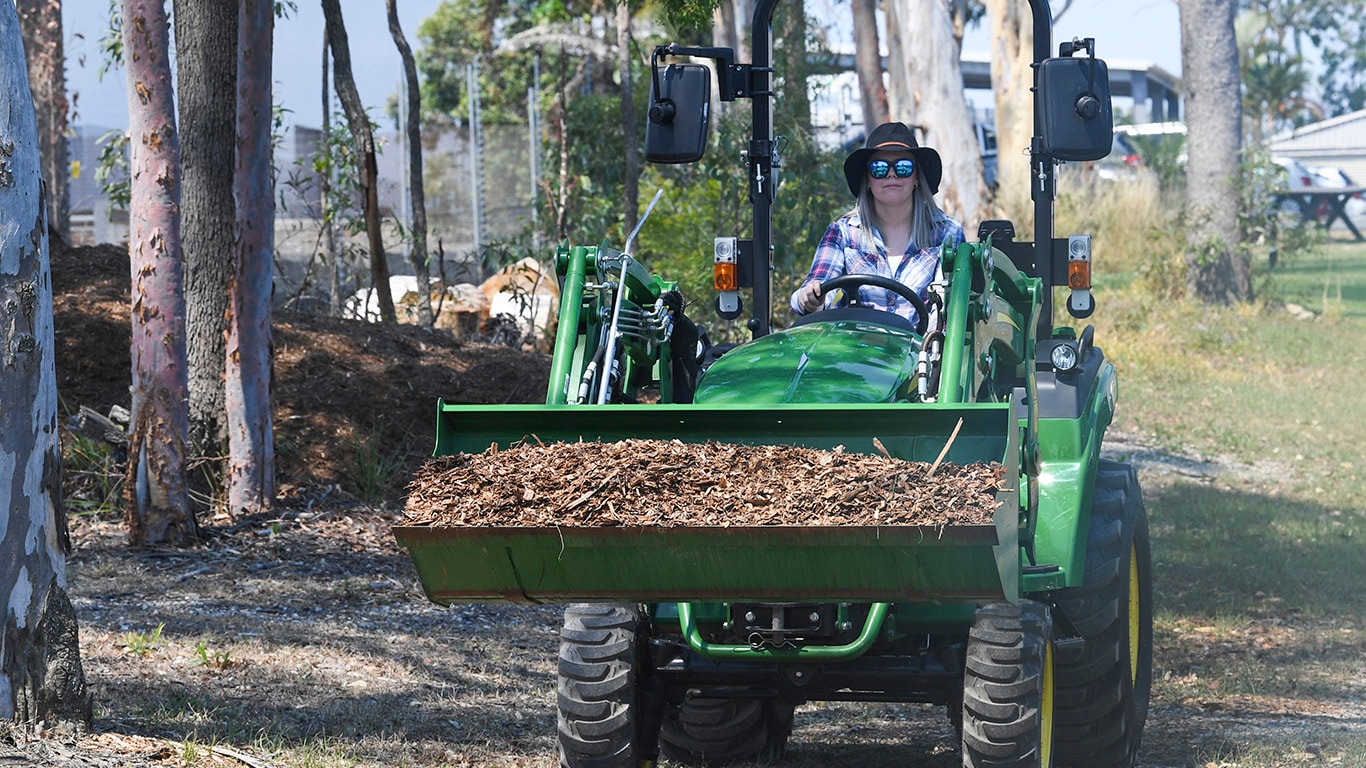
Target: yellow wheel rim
1046,710
1133,615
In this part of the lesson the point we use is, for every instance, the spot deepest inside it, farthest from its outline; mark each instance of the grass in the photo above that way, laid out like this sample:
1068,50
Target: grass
375,470
1253,381
1258,575
1332,284
93,478
143,643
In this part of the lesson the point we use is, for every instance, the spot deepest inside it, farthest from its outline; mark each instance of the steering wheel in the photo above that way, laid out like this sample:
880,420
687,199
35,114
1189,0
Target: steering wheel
850,283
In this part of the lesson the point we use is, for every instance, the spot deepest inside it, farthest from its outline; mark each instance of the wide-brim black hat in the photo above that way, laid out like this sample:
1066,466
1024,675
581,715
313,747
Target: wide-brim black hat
892,137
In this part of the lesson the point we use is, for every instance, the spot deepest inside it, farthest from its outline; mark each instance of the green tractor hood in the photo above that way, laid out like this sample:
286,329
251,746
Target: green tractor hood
824,362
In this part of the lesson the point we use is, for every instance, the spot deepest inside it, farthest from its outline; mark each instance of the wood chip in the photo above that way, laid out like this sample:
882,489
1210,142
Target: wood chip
667,483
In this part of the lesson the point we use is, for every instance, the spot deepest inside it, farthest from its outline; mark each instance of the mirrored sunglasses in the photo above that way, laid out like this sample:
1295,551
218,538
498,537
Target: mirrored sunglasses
903,168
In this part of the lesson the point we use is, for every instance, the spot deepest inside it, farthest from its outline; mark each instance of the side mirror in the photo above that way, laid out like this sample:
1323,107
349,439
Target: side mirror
1078,121
680,112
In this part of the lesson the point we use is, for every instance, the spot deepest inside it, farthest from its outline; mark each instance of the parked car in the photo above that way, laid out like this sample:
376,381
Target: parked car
1298,175
1327,176
1122,164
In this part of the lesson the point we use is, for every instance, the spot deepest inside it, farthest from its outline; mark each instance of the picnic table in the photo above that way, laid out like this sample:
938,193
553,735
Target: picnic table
1325,205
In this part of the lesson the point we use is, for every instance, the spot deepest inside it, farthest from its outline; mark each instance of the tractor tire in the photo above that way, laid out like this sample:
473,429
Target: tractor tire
1008,687
600,647
1102,692
719,731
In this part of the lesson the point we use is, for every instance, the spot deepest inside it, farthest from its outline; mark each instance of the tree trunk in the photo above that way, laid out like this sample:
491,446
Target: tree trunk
929,63
206,62
724,33
418,225
631,158
158,500
1012,77
796,103
334,302
251,449
1215,270
42,683
41,22
561,112
868,65
359,123
901,104
744,21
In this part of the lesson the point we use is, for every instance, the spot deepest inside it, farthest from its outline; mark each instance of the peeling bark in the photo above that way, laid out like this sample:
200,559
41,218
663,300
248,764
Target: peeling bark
927,79
1012,77
158,504
41,679
41,22
251,450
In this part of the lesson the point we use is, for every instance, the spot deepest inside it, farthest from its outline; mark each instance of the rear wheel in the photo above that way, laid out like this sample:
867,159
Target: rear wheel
718,731
1008,687
1103,690
599,649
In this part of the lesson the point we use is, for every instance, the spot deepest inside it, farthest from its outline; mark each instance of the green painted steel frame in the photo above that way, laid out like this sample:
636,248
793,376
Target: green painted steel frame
871,627
1069,457
572,351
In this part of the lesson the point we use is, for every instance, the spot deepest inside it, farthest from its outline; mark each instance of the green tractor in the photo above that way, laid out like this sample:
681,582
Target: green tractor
1035,631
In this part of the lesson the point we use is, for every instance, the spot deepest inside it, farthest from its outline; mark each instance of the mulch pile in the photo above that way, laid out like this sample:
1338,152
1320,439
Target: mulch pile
649,483
342,389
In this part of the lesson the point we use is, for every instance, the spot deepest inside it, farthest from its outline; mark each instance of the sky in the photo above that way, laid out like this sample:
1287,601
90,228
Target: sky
1146,30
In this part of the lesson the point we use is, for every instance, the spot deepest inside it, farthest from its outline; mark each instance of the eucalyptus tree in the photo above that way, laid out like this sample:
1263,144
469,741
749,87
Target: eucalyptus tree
41,23
925,44
363,136
251,448
868,63
42,682
158,509
413,130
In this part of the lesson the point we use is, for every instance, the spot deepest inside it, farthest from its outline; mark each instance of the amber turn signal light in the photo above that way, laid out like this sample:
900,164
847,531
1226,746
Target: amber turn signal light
723,277
1079,275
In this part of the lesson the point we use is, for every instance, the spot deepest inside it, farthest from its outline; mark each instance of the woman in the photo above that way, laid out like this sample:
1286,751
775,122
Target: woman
894,230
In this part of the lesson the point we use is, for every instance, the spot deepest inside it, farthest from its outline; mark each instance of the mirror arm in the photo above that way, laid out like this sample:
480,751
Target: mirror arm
1087,106
734,79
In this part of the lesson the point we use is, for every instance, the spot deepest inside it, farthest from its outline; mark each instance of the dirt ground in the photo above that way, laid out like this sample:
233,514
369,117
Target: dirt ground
302,638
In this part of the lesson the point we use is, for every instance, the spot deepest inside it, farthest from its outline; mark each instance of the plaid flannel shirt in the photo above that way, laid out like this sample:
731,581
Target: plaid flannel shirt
839,253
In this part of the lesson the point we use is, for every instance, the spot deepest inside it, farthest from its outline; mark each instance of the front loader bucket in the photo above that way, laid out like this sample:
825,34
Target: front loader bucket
771,563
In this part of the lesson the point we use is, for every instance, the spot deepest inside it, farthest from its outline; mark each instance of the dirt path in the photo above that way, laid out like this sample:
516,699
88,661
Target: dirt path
305,640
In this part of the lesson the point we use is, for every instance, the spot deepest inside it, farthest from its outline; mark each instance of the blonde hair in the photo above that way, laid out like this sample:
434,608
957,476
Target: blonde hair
924,213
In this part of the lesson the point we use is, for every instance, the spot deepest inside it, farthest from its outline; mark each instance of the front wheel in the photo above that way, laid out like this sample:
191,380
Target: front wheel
600,648
1008,687
1103,691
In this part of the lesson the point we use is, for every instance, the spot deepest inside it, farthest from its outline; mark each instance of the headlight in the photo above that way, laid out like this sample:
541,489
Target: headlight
1064,357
